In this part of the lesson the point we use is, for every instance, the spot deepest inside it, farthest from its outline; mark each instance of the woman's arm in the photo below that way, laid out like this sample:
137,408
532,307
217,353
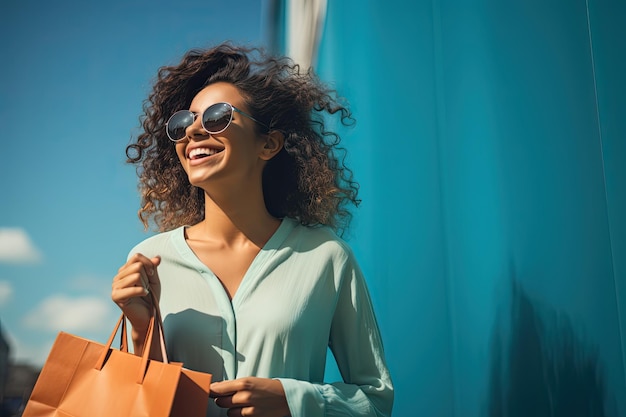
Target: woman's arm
355,341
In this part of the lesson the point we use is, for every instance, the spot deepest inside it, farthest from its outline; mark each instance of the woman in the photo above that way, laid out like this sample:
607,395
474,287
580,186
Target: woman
240,174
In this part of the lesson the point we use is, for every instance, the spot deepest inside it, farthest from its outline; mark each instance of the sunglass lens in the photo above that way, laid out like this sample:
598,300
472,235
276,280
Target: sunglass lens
178,124
217,117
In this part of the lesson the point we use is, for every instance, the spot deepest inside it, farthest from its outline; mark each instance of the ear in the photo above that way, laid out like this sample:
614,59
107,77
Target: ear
273,143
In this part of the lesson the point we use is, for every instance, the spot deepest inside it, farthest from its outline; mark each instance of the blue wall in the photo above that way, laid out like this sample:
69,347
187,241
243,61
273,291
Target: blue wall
490,149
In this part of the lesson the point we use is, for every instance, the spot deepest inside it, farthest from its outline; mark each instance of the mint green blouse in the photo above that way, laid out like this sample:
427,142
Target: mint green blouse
302,293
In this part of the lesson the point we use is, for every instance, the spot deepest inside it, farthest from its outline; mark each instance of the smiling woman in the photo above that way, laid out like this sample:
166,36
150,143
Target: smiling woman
306,180
241,176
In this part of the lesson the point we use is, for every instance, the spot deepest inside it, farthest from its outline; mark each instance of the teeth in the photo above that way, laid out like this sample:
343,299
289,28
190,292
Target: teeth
202,151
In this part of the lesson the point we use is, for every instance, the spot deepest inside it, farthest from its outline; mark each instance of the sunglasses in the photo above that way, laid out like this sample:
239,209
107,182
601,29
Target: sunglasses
215,119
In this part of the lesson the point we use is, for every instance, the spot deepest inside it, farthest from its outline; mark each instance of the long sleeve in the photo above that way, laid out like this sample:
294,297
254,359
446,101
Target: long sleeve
355,341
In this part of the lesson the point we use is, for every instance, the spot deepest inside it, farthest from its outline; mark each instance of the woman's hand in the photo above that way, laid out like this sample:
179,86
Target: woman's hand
130,291
251,397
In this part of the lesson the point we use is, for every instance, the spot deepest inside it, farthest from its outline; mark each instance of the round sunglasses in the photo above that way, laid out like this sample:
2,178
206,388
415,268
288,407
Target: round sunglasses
215,119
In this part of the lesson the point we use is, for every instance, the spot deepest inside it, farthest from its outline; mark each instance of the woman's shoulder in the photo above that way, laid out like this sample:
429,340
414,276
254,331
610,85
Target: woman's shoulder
156,243
322,238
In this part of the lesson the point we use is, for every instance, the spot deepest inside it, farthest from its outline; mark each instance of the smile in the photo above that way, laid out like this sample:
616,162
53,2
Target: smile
199,153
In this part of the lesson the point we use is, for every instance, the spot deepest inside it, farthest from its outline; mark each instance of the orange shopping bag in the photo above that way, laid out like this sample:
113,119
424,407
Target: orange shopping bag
82,378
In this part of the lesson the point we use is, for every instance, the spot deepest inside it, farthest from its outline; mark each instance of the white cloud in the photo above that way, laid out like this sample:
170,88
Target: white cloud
59,312
16,246
6,292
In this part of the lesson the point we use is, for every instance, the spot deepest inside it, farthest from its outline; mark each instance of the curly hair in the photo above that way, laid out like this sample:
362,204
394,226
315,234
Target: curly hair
307,180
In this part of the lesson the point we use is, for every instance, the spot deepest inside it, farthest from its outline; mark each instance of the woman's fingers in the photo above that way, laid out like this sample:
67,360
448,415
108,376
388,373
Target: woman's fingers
122,296
153,281
259,396
128,284
134,281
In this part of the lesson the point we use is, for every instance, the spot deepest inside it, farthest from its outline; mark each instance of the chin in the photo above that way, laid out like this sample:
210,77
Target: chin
203,181
198,182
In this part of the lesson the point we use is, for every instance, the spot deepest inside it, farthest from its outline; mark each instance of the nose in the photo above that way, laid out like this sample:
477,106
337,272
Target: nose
195,131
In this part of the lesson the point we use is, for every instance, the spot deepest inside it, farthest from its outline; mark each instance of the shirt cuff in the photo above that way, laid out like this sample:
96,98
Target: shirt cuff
303,398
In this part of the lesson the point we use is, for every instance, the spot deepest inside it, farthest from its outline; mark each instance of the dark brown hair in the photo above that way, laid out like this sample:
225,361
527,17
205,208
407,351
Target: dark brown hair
307,180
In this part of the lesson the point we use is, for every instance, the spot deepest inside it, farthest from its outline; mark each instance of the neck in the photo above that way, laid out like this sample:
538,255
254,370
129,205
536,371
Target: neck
239,219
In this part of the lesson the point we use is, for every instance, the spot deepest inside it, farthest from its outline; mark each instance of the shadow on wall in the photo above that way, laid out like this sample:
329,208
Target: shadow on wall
545,369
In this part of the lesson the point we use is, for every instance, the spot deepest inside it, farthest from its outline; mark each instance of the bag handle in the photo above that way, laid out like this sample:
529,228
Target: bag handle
157,312
155,324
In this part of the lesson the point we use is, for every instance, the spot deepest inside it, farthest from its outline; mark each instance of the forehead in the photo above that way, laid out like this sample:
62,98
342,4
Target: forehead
217,93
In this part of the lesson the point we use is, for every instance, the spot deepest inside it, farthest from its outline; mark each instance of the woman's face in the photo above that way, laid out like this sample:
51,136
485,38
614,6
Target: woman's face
227,159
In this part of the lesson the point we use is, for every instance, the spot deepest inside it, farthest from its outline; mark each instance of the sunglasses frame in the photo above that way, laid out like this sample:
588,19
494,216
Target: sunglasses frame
233,109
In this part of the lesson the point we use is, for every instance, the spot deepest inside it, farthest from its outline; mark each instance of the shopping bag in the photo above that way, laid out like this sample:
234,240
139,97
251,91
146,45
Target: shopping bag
83,378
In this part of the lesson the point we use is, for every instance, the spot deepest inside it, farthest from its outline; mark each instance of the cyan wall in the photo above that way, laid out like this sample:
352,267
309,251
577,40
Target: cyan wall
490,149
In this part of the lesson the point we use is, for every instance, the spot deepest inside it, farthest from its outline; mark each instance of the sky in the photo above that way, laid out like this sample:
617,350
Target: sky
72,83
